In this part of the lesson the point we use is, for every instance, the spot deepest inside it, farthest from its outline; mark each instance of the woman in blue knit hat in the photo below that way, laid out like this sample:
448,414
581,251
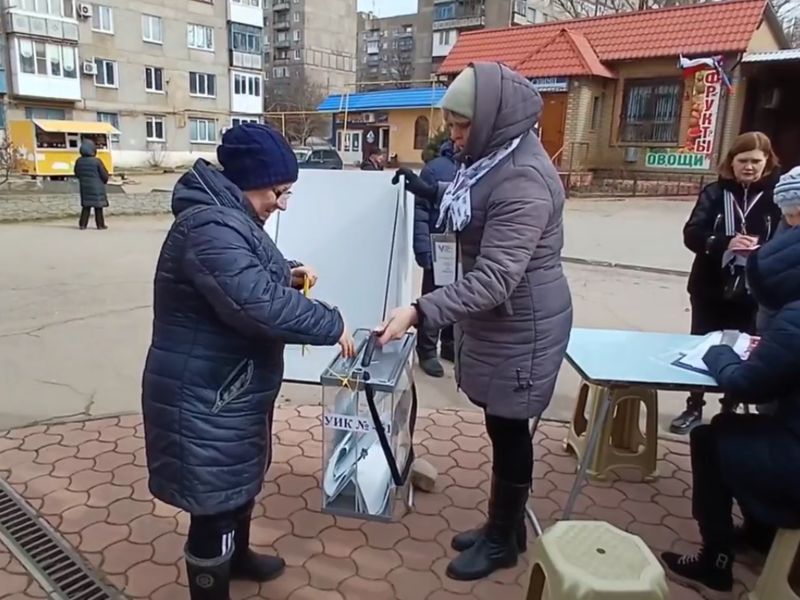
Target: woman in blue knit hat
226,303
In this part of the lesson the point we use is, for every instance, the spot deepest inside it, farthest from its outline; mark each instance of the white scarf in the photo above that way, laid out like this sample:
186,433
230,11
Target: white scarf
456,206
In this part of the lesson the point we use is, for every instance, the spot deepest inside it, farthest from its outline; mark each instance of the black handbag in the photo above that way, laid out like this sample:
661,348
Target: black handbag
735,284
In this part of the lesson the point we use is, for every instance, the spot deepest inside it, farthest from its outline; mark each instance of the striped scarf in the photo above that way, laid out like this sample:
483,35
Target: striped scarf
456,206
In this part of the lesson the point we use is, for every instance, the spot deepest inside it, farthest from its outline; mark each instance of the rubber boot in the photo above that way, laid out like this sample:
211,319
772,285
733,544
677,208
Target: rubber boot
497,548
246,564
209,579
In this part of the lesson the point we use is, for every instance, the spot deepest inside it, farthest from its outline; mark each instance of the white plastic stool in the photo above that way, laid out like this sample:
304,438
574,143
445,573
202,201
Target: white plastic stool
780,578
593,560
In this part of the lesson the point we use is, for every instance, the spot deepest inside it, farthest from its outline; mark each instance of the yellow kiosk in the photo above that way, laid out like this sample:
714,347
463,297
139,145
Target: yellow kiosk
49,148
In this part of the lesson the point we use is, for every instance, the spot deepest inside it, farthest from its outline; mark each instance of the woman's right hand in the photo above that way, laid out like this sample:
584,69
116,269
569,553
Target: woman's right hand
347,344
742,243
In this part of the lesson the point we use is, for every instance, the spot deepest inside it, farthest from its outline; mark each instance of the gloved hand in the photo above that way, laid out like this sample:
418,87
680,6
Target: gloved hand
415,184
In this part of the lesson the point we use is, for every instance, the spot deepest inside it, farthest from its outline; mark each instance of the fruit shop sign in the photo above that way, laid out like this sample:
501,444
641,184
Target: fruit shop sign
706,93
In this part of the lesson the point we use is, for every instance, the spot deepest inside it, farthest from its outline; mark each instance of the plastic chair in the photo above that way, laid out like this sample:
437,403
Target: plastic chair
780,578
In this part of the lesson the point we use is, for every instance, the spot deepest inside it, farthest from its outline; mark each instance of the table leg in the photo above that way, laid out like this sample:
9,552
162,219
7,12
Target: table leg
537,528
591,449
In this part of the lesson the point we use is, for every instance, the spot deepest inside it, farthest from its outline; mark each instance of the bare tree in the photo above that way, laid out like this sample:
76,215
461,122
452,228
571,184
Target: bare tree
400,62
9,159
292,108
589,8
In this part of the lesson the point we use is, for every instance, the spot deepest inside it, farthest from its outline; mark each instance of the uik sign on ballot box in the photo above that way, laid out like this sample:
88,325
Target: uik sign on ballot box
369,408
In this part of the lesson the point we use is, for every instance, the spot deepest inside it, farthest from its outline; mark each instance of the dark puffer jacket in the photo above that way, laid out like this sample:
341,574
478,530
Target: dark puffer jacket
761,454
441,169
92,177
223,309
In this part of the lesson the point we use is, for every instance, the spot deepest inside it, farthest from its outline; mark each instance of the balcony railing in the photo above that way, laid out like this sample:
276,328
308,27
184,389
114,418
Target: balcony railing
282,44
245,60
464,21
283,24
278,6
41,26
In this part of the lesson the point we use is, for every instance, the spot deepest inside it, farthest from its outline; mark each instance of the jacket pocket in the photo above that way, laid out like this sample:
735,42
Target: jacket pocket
234,385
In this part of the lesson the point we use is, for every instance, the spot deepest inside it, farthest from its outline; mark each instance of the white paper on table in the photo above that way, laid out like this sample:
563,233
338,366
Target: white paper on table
693,357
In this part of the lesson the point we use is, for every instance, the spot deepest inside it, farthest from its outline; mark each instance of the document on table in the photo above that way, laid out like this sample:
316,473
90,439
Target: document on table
692,358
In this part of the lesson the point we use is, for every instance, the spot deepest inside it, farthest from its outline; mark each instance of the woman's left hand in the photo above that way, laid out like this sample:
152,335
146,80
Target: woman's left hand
397,325
299,275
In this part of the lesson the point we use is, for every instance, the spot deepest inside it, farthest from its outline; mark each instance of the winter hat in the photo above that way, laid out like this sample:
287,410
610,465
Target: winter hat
255,156
787,190
460,96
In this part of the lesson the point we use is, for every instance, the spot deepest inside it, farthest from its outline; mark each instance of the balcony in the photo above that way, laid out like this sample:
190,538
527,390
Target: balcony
282,25
58,28
246,60
463,22
281,6
31,78
245,13
282,44
372,36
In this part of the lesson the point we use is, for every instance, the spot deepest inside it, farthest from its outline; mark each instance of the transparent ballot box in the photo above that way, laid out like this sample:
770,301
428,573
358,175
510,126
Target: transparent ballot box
369,407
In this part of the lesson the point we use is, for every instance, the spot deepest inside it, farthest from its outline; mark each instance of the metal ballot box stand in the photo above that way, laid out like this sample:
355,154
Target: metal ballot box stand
369,408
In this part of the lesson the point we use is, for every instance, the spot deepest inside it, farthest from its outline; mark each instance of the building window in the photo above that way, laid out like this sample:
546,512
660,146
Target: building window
203,84
597,112
200,37
106,75
245,38
110,118
154,79
154,128
151,29
531,15
242,120
102,19
297,55
651,111
445,37
280,72
296,17
447,11
55,8
296,35
250,85
421,133
202,131
50,114
256,3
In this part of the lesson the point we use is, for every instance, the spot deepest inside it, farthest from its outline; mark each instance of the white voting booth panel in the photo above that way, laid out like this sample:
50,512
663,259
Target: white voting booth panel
355,229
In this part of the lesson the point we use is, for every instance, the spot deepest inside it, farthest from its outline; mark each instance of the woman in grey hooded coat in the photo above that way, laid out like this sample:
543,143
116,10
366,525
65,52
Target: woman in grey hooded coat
511,308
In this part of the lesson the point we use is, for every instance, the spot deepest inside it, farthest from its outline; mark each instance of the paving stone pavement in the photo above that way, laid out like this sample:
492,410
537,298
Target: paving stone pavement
90,481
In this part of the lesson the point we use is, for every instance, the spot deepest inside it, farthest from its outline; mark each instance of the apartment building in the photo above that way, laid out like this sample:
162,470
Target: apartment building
388,51
312,48
448,18
169,75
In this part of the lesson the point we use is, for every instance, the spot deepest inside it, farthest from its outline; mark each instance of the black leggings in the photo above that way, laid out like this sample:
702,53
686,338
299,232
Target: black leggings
513,449
214,536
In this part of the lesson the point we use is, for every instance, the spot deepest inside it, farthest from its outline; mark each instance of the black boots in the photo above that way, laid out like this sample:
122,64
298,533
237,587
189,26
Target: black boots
248,565
209,579
497,546
709,572
464,541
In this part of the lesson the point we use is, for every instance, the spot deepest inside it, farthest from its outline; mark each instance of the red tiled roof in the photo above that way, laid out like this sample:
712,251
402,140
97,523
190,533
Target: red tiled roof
715,27
565,54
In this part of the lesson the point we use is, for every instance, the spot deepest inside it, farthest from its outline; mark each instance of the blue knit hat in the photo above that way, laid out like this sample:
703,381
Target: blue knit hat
255,156
787,191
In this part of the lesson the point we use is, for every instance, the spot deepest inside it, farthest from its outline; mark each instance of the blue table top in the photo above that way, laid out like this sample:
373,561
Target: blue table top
636,358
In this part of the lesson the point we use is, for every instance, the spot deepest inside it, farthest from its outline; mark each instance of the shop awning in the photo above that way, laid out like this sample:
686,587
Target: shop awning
87,127
790,55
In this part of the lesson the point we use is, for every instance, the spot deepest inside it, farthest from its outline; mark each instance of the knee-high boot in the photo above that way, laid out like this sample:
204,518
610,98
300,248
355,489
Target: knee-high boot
209,579
498,547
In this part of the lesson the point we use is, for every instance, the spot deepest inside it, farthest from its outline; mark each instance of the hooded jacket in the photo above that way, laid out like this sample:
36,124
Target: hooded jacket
512,307
223,311
92,177
761,457
441,169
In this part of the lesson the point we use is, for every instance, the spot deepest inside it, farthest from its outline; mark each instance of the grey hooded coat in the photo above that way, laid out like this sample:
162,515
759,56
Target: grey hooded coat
512,307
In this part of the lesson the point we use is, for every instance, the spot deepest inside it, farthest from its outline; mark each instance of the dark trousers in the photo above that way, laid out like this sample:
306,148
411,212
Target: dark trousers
512,449
712,499
215,536
716,315
99,219
427,341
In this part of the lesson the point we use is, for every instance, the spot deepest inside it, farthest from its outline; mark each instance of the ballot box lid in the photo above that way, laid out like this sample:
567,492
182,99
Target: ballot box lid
383,372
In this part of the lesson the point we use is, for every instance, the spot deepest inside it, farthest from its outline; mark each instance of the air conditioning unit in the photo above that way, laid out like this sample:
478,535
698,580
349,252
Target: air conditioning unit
89,67
369,117
84,10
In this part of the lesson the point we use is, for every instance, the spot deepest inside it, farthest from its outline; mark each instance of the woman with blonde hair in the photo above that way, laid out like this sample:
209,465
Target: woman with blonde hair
732,217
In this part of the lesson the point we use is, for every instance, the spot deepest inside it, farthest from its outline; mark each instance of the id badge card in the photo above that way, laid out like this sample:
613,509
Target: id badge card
445,258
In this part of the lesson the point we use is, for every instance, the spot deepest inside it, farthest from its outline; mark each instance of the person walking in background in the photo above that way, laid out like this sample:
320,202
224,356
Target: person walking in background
375,161
441,169
512,305
92,178
226,302
732,216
